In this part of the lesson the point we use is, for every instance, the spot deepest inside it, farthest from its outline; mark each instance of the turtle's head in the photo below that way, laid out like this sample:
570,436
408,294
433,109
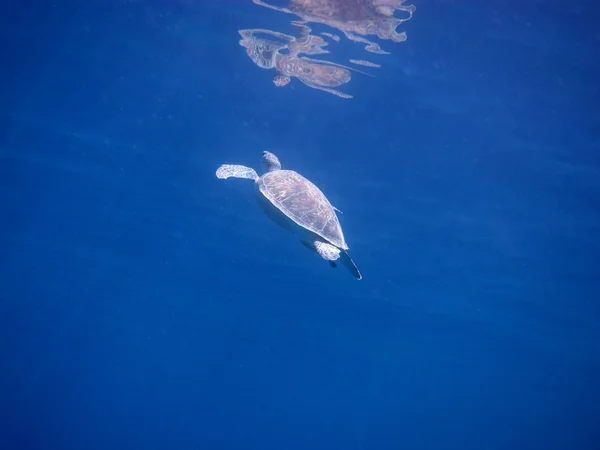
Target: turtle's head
270,162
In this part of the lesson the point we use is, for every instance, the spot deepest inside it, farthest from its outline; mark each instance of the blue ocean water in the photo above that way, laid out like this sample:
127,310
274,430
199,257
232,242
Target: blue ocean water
146,304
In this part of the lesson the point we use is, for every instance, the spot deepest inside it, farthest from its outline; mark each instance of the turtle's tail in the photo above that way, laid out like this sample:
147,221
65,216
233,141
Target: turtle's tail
349,264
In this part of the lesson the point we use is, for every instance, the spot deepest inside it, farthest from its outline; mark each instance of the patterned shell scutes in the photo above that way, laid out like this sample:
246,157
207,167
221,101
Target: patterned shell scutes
304,203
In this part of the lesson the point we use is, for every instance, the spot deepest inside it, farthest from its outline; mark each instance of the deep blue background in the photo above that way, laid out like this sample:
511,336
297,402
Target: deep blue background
144,304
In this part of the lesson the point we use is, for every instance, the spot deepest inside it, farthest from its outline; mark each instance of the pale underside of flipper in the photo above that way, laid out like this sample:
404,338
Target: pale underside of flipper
331,253
236,171
326,250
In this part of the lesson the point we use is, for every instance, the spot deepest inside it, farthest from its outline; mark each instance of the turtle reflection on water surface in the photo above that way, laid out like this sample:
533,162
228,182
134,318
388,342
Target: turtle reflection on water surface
354,18
272,50
299,206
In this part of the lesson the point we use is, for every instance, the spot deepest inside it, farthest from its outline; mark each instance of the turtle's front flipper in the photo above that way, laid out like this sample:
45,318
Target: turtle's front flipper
347,261
236,171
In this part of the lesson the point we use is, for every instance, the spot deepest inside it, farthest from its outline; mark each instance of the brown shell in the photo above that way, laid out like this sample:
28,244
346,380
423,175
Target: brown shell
304,203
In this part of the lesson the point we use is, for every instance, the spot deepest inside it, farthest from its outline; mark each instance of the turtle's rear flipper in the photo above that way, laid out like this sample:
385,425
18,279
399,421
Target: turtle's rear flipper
347,261
331,254
326,251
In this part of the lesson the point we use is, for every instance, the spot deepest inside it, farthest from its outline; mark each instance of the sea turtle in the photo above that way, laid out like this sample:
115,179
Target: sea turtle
297,205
